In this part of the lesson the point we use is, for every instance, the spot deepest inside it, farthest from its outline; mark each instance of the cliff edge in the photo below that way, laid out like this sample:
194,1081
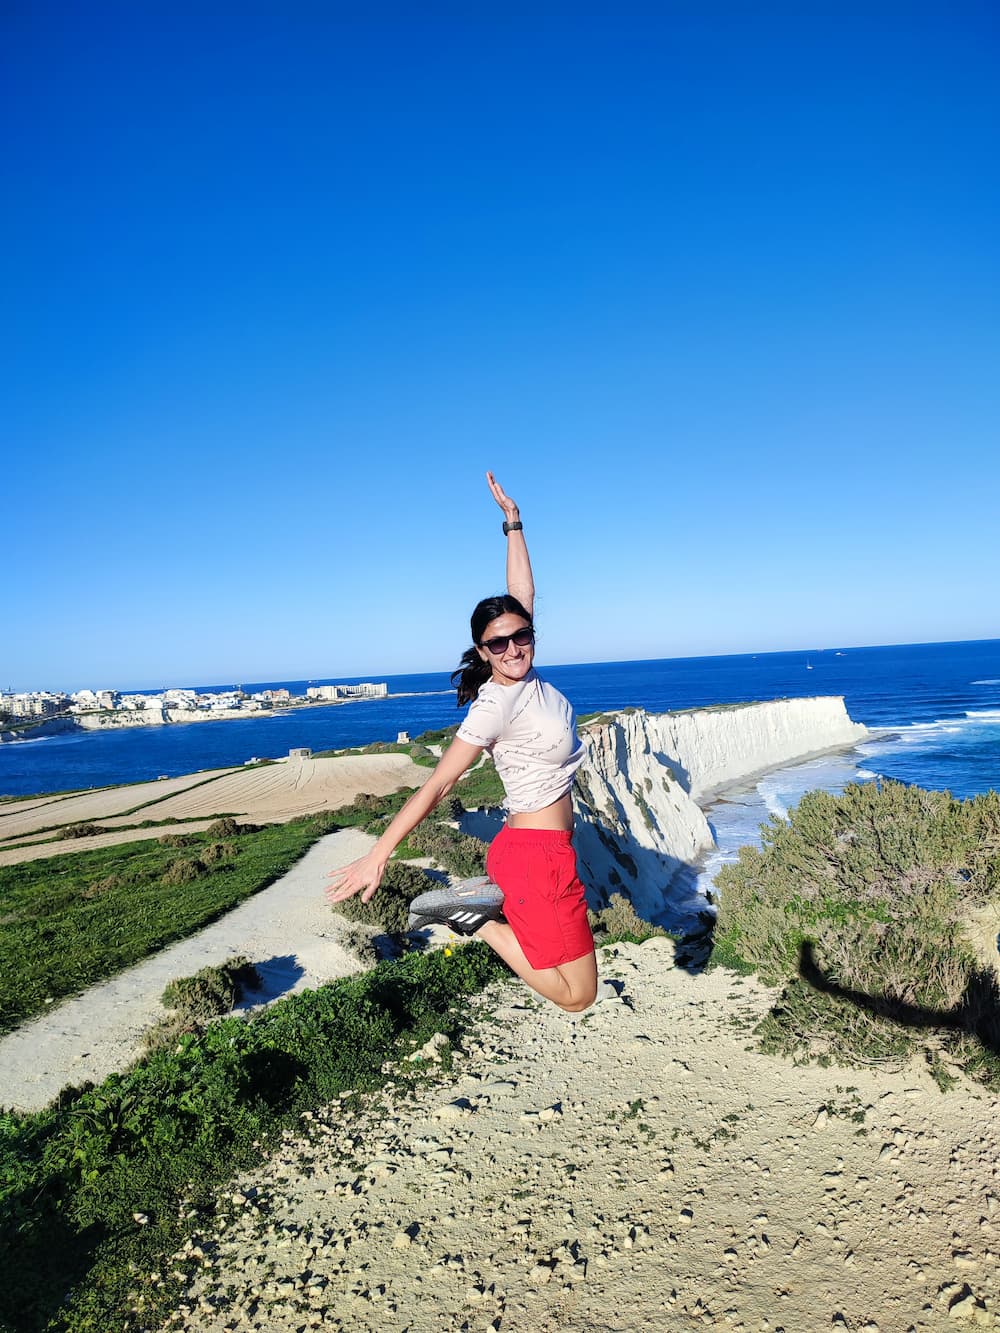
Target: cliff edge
640,828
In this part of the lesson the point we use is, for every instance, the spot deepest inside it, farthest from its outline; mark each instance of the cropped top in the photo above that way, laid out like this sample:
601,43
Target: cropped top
530,730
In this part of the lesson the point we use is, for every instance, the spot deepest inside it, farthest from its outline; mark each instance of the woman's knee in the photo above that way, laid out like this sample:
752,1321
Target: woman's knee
580,997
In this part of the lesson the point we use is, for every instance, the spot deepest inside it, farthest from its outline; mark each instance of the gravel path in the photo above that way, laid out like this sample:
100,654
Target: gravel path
636,1167
288,930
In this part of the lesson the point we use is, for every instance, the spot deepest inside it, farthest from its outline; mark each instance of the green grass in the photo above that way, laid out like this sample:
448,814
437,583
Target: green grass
74,919
163,1138
480,787
443,736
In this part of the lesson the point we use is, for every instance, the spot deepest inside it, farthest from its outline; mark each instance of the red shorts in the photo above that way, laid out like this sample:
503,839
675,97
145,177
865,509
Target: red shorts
543,897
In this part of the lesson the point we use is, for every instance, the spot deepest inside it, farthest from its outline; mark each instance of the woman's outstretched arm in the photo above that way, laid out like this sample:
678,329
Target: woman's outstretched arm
363,876
520,583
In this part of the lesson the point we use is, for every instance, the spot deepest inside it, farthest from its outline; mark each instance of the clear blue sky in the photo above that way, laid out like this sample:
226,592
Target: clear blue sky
712,288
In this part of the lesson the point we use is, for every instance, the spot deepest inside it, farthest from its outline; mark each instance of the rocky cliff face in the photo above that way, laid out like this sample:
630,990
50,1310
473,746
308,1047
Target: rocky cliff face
639,827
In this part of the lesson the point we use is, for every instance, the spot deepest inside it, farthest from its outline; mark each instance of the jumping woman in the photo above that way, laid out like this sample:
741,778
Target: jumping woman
537,921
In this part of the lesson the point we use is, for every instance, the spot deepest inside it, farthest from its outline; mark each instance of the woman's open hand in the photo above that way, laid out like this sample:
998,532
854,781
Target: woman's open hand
361,876
508,505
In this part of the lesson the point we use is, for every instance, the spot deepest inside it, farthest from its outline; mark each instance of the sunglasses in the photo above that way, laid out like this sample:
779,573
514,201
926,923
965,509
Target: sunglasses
522,637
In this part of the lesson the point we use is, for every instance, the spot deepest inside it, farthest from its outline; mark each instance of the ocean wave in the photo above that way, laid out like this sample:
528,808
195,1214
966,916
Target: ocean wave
772,801
983,712
991,680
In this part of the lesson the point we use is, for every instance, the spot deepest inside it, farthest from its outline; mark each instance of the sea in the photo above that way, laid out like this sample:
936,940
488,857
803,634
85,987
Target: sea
935,707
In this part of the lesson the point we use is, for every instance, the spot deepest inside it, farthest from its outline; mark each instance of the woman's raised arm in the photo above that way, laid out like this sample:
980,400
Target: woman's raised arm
520,583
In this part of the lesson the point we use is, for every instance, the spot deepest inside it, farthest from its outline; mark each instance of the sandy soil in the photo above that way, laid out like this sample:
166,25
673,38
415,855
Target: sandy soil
637,1167
288,930
294,787
270,794
20,818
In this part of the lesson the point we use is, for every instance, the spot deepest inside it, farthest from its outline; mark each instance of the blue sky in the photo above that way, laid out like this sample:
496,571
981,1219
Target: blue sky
713,291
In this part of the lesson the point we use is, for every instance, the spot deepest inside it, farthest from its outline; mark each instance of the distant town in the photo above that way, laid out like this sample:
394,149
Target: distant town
100,708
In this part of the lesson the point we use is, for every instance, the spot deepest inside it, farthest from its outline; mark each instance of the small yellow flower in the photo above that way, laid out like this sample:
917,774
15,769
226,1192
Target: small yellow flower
447,952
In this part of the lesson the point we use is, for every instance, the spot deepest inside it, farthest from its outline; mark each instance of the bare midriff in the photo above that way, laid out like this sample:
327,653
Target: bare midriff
558,815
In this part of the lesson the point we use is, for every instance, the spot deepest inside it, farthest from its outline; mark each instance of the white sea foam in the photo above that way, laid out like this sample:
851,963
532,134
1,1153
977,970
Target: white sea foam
991,680
772,801
983,712
737,819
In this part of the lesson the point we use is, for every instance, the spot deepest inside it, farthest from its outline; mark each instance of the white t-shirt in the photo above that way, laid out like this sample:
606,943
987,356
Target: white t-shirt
530,730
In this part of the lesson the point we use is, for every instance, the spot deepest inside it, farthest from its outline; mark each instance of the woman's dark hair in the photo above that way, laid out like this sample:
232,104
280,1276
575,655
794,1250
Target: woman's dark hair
474,672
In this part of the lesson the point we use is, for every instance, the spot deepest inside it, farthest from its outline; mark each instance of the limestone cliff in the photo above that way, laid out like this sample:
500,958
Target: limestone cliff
639,826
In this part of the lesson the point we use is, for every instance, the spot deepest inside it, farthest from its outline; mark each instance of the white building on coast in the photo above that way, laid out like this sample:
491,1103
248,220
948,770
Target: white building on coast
335,692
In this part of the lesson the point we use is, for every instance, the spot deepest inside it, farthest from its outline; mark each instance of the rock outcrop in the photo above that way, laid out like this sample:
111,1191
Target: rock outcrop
640,828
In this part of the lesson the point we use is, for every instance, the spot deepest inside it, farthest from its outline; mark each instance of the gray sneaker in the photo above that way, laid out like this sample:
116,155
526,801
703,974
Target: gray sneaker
464,907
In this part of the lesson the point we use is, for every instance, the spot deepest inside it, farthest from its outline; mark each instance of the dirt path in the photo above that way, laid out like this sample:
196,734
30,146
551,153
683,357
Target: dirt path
288,930
638,1167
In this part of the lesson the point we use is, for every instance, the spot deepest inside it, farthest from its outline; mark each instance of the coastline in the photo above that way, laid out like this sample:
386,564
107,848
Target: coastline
119,720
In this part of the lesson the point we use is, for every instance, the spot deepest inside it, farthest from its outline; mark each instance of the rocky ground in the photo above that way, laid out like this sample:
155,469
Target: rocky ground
640,1166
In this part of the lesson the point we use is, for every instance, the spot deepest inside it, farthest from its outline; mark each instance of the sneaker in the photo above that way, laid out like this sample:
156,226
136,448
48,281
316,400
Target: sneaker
464,907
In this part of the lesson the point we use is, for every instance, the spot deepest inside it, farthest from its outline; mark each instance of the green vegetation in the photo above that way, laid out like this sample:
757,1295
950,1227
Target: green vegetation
157,1142
74,919
214,990
620,921
457,852
420,744
480,788
389,908
861,908
197,1000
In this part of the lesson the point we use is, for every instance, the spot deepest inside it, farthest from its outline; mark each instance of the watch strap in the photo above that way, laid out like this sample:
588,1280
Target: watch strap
512,527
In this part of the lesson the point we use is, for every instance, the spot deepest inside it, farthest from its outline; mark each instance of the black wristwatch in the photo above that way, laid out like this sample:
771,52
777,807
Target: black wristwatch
512,527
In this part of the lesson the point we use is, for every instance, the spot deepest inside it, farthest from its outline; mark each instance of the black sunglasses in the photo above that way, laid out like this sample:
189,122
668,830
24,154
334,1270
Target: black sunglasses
522,637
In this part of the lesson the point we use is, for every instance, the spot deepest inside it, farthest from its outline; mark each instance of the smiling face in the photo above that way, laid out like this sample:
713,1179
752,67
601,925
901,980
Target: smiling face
514,663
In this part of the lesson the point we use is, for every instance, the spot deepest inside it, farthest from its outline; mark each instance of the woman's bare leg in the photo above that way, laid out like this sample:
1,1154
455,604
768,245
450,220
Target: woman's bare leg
572,986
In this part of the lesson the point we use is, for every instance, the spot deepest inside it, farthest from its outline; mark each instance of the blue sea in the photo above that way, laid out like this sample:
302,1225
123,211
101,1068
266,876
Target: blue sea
940,703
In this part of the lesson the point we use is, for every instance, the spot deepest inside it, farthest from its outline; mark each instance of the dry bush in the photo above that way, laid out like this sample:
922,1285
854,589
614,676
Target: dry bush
217,852
213,990
230,828
459,853
389,909
185,870
856,907
104,885
358,940
82,830
619,920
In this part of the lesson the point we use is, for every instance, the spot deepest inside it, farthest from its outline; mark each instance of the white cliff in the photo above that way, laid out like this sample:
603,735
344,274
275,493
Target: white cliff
639,827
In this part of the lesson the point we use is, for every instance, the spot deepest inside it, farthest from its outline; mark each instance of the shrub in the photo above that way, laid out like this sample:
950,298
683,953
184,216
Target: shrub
230,828
857,907
620,921
389,909
213,990
184,870
358,940
460,854
106,884
82,830
481,788
177,840
216,852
